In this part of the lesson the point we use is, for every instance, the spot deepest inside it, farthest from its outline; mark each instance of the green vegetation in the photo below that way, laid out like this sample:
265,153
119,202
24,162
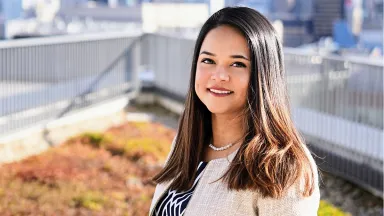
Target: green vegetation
92,173
103,173
326,209
92,200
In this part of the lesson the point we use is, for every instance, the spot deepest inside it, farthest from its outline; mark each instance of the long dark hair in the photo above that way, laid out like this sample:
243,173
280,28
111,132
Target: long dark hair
272,156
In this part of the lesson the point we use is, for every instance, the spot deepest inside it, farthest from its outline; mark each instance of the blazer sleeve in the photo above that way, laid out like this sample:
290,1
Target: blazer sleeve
293,204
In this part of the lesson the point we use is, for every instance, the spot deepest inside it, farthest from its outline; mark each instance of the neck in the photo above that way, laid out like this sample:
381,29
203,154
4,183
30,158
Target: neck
226,129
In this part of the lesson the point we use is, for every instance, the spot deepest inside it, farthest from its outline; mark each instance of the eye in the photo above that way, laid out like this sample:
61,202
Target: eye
207,61
239,64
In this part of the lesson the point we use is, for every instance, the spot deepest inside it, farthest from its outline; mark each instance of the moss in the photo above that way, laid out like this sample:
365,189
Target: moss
326,209
80,177
132,147
91,200
145,198
141,125
21,195
96,139
107,167
118,195
148,145
33,190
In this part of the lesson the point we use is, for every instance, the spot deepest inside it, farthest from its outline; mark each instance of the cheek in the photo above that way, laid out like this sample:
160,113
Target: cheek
200,78
244,82
197,81
244,79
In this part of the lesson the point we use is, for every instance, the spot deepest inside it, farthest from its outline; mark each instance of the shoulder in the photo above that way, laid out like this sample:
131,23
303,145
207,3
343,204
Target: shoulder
293,203
310,157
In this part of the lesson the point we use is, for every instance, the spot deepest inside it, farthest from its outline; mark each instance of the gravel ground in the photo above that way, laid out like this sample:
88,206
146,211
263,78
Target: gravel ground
341,193
349,197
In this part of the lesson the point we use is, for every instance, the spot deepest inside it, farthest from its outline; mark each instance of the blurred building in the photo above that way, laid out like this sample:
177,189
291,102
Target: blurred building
300,21
365,18
72,3
2,20
306,21
326,12
9,10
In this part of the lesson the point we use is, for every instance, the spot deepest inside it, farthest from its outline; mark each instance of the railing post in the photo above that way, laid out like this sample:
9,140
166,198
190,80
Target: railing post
136,67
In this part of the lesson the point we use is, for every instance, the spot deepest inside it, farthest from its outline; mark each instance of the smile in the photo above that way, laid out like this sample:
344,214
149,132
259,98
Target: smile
219,93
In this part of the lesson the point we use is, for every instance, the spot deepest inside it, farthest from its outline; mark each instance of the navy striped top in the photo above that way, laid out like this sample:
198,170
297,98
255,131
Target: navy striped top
173,203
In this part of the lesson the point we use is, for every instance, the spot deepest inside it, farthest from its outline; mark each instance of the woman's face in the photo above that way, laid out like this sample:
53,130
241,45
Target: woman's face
223,71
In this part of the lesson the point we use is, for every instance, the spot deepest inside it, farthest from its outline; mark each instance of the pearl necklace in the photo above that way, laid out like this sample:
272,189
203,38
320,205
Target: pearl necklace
222,148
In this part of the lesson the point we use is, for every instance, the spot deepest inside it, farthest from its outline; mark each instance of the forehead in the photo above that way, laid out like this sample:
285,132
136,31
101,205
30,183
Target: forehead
225,40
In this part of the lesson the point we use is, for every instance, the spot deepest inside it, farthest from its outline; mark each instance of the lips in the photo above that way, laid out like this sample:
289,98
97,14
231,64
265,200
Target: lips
218,88
216,91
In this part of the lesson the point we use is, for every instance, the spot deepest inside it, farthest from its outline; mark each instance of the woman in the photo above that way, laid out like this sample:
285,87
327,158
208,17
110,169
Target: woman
237,151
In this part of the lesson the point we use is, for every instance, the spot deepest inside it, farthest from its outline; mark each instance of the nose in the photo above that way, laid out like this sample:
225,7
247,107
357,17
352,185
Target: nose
220,74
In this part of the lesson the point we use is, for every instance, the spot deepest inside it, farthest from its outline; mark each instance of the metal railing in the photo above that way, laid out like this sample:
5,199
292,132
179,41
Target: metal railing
46,78
337,104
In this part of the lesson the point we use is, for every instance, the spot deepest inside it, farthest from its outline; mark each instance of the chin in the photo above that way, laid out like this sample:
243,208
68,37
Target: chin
217,109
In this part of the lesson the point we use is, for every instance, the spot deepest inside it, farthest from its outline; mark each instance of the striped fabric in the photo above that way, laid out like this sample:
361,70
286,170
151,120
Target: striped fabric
173,203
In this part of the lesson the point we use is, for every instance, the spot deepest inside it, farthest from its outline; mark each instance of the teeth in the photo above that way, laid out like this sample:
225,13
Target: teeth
219,92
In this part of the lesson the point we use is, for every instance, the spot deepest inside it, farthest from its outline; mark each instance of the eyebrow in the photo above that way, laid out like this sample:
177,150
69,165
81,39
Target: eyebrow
232,56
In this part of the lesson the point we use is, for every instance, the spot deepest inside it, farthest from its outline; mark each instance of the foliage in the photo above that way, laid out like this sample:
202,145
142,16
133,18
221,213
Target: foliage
90,174
326,209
